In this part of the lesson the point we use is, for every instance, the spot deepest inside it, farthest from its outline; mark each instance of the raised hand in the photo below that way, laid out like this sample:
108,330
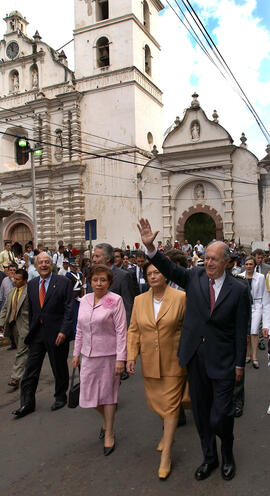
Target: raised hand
146,234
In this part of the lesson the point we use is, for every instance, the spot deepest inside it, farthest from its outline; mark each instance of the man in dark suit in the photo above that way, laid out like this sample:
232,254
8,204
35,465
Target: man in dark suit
212,345
137,272
50,327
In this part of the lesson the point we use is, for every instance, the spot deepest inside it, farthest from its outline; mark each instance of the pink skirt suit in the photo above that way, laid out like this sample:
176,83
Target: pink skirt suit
100,340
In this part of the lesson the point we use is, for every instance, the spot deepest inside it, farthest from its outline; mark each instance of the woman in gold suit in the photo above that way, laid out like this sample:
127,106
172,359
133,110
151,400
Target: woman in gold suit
154,333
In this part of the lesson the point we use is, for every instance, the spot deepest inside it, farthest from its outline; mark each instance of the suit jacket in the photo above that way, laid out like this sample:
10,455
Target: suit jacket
135,272
101,330
224,332
4,258
265,268
22,314
123,286
260,302
57,311
157,341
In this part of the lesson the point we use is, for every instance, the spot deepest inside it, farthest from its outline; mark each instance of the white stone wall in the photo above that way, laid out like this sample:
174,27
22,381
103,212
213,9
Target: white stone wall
246,197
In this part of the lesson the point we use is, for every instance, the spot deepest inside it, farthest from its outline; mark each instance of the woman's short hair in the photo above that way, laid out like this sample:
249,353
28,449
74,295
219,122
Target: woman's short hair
250,257
145,267
100,269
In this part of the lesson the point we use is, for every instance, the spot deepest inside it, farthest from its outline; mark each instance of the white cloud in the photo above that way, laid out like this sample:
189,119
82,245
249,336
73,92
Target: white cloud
244,44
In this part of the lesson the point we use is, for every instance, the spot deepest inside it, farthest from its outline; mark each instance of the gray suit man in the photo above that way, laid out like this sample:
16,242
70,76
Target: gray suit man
14,320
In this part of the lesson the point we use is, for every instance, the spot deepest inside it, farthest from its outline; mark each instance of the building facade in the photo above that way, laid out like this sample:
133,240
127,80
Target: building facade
100,128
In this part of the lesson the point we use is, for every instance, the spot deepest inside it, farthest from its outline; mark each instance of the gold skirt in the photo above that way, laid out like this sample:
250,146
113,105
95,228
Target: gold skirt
164,395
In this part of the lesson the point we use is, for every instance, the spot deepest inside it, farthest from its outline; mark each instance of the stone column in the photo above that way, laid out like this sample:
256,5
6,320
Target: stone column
228,222
166,206
48,218
46,157
40,205
78,216
67,214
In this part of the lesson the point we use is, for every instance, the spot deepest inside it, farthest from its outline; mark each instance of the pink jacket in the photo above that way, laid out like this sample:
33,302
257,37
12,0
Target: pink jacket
101,330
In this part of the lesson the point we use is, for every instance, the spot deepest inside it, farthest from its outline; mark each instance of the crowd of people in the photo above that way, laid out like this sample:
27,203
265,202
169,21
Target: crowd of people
195,315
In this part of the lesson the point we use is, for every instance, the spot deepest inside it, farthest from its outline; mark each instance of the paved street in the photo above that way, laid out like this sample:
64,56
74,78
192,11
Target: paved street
58,453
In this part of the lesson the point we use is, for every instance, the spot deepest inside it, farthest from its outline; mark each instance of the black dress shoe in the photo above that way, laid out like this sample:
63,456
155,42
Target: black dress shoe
58,404
205,470
238,412
108,451
228,468
23,411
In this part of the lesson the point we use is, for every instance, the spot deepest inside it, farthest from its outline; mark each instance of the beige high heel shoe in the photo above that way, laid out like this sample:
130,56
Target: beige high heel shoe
163,473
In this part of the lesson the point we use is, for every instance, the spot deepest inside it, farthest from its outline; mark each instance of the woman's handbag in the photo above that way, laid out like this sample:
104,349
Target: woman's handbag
74,392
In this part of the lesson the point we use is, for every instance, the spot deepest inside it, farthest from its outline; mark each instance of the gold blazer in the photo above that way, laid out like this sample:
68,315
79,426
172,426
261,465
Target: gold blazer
157,341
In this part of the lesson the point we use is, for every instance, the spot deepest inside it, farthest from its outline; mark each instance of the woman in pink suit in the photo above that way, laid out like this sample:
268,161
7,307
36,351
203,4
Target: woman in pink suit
101,342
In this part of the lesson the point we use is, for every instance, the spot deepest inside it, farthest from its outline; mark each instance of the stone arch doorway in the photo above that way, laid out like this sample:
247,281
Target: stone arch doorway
19,234
211,221
200,226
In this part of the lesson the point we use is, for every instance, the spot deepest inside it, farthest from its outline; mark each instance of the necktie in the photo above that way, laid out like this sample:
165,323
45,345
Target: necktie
9,256
212,295
257,268
14,308
42,293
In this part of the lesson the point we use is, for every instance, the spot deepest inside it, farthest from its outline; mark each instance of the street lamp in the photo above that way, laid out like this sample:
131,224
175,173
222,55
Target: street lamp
37,152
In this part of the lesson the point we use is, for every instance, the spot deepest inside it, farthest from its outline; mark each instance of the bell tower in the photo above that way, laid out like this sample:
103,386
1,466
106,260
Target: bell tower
15,22
117,67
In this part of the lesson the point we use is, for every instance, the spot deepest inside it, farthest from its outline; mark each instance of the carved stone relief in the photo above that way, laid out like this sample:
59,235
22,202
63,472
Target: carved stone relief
195,131
199,192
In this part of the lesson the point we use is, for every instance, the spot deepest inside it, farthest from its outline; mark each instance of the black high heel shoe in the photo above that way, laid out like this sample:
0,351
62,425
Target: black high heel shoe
108,451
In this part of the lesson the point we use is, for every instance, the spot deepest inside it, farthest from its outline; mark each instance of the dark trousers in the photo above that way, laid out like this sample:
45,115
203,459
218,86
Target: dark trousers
239,393
58,356
212,405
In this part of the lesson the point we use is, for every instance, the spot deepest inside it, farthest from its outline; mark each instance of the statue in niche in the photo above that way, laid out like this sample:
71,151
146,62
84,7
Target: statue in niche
195,131
59,222
16,81
59,143
199,192
34,78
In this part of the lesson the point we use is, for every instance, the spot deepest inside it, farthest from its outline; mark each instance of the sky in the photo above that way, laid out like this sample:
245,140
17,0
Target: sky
241,31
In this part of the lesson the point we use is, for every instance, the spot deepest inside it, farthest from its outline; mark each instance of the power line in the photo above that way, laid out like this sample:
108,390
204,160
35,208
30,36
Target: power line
95,155
221,61
117,159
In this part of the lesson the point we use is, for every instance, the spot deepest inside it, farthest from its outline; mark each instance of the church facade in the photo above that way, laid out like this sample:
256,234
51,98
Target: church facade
100,128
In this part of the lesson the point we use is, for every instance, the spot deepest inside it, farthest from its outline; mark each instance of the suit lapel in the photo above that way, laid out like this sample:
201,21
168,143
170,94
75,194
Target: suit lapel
21,300
149,307
204,283
165,305
51,288
225,290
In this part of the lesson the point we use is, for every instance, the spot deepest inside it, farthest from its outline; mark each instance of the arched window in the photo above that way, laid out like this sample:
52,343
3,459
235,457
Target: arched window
146,15
147,60
103,52
21,153
102,10
14,82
